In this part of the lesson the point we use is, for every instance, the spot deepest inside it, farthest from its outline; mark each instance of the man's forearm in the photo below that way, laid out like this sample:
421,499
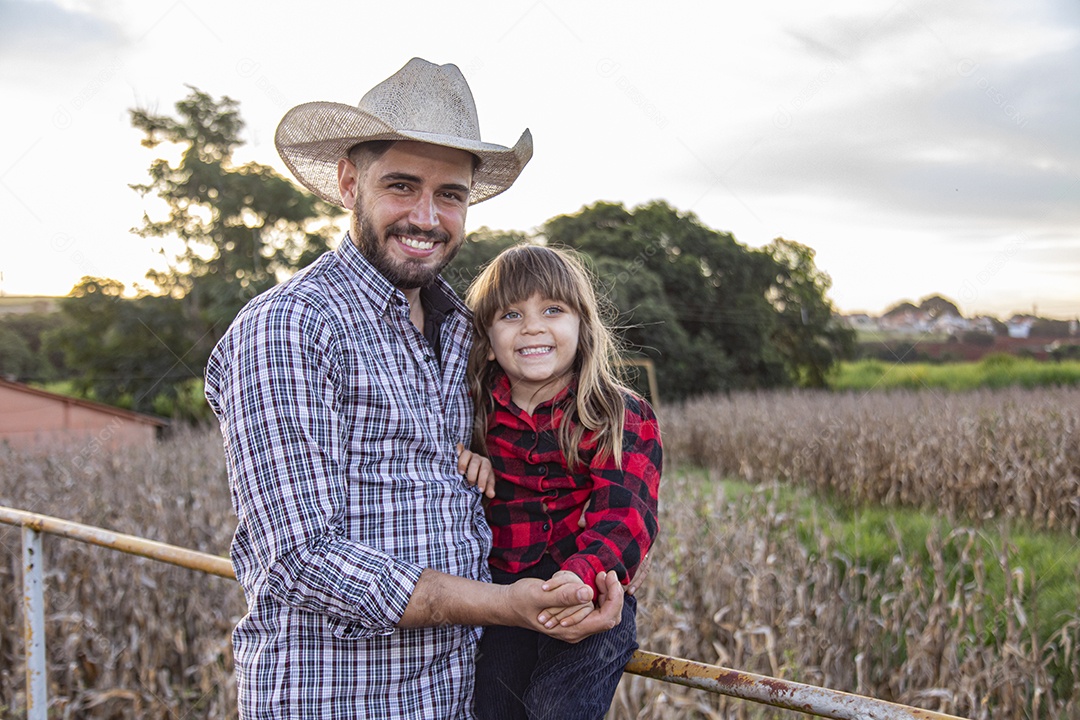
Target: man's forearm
442,599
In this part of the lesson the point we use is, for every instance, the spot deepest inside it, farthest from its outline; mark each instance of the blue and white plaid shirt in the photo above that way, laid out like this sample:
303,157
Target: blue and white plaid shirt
340,430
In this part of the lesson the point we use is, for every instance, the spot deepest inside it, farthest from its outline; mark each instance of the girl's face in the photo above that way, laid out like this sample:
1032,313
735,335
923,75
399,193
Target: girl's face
535,342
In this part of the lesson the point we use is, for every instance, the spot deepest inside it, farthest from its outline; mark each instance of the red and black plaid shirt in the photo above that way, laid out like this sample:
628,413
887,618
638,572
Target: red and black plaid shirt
539,500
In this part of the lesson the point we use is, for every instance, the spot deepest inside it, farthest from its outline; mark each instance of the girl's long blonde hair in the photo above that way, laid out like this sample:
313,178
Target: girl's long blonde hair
559,274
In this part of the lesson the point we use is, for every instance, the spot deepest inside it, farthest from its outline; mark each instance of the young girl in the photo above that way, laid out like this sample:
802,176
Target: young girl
576,460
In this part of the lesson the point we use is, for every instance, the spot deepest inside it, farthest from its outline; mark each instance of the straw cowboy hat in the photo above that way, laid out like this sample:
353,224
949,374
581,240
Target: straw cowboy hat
421,101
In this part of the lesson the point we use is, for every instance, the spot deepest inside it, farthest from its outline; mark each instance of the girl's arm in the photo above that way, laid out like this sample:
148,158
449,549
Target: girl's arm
621,521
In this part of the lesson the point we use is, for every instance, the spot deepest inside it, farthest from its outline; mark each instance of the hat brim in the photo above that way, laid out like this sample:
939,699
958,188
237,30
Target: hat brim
312,137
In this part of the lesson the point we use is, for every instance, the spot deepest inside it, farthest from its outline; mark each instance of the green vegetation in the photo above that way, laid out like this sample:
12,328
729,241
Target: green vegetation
711,313
1018,572
995,371
875,537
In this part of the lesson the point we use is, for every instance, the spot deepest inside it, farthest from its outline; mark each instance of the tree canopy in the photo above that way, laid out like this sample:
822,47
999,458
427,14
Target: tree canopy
241,228
711,313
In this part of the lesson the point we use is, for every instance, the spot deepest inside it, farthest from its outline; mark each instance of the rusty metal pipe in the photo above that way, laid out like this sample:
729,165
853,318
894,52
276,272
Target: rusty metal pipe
811,699
771,691
212,564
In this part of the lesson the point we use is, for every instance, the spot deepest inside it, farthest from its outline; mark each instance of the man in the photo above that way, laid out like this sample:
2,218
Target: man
341,396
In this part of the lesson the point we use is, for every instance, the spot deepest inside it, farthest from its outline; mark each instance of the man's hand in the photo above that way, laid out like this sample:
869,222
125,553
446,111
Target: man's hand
441,599
477,470
605,616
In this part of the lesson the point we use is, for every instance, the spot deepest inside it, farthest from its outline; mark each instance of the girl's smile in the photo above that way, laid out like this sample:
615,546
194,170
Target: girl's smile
535,342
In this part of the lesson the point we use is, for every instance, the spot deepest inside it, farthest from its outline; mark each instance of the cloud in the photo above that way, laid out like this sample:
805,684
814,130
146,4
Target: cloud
934,141
40,30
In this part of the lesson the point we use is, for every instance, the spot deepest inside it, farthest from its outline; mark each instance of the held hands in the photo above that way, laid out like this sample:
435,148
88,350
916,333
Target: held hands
531,603
477,470
565,616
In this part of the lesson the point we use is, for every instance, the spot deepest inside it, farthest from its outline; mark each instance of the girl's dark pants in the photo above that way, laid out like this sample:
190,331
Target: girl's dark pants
524,674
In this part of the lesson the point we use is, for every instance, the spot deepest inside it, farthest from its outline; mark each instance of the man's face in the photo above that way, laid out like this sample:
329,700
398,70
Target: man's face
409,210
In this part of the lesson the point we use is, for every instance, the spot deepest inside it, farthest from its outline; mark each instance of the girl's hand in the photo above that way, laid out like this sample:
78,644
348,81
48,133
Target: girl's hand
640,575
564,616
477,470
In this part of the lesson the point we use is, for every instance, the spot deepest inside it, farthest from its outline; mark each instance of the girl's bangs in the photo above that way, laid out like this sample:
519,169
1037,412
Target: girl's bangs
528,271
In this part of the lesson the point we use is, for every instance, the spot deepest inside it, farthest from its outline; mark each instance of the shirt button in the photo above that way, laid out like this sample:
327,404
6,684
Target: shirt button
542,470
546,527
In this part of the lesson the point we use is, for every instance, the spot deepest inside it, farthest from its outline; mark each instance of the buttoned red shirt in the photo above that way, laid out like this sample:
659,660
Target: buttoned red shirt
539,499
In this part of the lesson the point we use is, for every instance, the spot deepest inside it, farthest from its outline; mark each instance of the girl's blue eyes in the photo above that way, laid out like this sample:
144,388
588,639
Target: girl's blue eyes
514,314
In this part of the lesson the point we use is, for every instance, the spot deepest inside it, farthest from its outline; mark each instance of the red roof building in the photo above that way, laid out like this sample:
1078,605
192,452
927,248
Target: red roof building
29,416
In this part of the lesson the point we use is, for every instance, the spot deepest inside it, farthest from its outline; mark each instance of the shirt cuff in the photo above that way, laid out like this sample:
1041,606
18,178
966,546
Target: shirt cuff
382,605
584,569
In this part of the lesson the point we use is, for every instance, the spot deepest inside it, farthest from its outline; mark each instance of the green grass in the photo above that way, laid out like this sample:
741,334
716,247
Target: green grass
873,537
994,371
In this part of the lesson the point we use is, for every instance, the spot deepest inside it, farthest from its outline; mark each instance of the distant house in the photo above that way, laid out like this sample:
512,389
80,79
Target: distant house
861,321
950,324
29,416
1020,326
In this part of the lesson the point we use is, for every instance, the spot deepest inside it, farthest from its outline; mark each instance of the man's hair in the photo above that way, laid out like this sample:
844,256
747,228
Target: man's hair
559,274
363,154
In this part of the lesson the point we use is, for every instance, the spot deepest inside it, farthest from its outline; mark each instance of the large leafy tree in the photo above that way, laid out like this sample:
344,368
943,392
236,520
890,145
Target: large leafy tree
241,229
692,298
710,313
807,333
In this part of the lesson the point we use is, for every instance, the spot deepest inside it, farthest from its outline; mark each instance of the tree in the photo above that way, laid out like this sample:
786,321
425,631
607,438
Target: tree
128,351
480,247
23,354
712,315
901,308
242,229
806,333
1047,328
669,271
938,306
17,360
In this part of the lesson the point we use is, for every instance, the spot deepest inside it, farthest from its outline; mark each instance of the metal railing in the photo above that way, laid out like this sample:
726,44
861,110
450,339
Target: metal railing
809,699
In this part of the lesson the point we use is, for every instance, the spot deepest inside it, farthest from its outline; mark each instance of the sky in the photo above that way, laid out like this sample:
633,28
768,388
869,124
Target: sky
919,148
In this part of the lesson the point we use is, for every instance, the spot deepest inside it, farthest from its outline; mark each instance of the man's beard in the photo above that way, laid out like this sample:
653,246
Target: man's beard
406,275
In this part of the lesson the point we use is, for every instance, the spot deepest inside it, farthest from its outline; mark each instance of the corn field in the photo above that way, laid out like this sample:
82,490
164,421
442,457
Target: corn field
734,581
977,455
